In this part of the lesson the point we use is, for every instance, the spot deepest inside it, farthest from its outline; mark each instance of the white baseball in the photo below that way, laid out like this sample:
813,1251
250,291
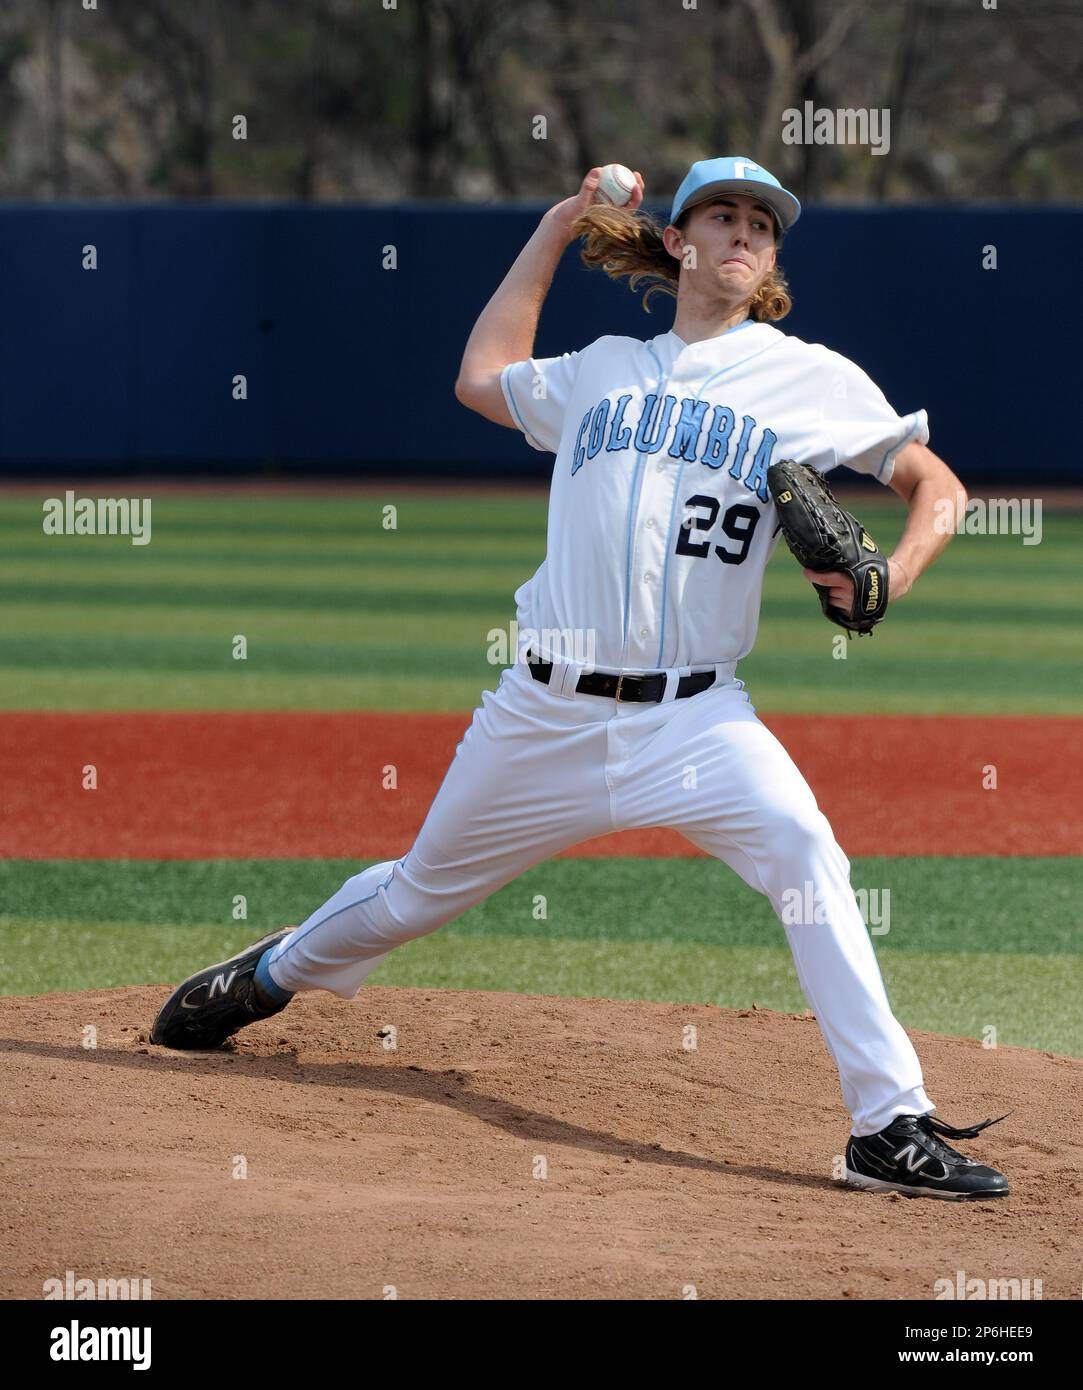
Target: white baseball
617,184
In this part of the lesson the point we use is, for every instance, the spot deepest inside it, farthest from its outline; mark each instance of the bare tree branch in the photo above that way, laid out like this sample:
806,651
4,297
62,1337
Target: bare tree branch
1046,139
789,66
830,41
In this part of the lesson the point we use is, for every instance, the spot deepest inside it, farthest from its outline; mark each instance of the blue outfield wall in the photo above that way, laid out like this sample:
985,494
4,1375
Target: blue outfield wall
350,366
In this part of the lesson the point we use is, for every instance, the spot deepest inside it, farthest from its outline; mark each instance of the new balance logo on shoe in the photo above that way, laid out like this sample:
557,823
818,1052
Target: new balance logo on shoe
220,985
914,1158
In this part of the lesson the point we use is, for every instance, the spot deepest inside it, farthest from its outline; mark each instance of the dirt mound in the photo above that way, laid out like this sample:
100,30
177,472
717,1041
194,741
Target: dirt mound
506,1147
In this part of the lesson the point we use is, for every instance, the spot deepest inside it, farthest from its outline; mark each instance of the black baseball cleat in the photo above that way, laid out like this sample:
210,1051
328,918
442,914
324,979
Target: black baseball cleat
214,1003
908,1157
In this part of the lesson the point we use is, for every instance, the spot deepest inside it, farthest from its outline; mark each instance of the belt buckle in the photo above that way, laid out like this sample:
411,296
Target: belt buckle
620,684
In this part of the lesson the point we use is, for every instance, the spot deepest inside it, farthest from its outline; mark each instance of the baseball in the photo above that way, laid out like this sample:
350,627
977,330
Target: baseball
616,185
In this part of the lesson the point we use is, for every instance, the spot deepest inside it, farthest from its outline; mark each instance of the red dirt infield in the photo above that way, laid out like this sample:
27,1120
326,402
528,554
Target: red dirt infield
308,785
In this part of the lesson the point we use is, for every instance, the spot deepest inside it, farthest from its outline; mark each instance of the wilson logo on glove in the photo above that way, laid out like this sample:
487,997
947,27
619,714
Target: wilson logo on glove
825,538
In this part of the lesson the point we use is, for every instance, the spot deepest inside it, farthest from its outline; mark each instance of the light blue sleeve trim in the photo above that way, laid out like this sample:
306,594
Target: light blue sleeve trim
505,386
920,425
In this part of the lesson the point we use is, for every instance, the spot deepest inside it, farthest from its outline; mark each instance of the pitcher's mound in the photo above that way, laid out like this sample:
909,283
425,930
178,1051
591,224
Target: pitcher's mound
436,1144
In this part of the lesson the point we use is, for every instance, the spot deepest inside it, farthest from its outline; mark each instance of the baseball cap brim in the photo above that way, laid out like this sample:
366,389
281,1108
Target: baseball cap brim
784,205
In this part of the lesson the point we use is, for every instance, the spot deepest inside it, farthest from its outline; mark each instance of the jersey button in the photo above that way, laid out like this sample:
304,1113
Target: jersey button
650,523
648,577
643,631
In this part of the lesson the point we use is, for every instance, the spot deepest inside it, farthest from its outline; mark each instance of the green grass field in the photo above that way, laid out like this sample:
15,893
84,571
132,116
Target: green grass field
339,613
342,614
963,948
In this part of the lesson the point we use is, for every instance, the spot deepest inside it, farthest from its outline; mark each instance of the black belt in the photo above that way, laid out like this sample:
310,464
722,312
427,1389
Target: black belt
647,689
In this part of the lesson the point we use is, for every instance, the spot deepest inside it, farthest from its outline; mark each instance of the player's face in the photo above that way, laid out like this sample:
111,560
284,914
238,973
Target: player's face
734,237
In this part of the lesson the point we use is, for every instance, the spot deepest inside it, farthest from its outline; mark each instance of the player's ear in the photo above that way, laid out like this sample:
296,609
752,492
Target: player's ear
673,241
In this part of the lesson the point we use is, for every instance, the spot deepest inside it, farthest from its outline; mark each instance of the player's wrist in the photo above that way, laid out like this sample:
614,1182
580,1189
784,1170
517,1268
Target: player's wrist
556,224
899,580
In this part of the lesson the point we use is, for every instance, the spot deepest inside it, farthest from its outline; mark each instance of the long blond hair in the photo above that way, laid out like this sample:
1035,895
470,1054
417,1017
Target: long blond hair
628,246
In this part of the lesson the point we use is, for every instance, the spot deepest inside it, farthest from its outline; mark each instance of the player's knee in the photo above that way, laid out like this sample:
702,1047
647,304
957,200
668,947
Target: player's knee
369,881
802,833
421,900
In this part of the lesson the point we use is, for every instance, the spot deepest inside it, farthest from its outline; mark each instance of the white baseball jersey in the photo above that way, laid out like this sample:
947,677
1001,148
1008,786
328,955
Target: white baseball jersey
645,433
660,523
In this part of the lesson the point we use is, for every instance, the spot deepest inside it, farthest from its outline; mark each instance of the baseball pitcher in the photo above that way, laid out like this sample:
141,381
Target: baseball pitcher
679,462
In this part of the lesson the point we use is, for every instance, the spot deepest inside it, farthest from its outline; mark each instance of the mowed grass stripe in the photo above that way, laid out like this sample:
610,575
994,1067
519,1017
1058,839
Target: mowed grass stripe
257,551
289,515
118,690
429,669
431,689
494,560
451,597
188,655
981,905
963,681
461,593
351,527
501,513
246,508
398,631
971,943
108,570
1029,1000
907,637
359,574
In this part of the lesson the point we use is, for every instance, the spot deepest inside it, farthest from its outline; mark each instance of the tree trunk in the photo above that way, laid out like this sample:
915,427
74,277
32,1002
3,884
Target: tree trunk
203,124
57,120
911,43
468,29
803,19
424,117
568,83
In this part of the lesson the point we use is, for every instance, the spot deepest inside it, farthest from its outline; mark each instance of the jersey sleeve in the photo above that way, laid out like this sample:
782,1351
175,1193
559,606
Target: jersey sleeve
865,431
537,392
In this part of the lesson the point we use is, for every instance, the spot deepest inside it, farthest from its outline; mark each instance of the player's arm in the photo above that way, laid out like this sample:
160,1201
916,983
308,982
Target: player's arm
930,490
507,325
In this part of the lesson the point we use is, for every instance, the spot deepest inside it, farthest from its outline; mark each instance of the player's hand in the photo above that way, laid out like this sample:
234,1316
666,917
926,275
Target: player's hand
564,214
840,585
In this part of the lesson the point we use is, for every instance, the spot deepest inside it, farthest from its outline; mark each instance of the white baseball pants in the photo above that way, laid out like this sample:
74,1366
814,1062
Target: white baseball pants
538,771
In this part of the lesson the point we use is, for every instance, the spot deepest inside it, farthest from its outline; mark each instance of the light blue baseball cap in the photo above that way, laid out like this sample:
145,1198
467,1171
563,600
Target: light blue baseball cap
735,174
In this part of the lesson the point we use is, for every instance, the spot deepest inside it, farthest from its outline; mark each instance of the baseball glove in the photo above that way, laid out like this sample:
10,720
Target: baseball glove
824,536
